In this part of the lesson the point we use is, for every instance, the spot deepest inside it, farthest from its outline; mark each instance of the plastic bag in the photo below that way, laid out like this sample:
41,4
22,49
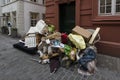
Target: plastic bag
67,49
77,40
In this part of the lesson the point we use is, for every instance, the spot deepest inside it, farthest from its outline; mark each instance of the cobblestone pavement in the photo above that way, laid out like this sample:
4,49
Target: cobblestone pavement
16,65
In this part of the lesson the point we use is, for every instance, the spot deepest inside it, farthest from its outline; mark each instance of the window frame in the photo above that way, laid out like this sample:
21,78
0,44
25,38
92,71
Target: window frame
14,18
113,9
34,1
32,23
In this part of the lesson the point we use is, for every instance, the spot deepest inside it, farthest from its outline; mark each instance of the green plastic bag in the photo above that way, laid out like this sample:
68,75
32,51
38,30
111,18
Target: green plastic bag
51,28
67,49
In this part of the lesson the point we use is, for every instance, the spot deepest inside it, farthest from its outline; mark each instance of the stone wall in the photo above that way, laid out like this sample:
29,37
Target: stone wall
20,17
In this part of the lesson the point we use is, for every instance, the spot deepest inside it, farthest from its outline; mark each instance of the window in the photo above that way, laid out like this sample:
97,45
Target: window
4,20
14,18
8,16
43,1
117,5
105,6
8,1
34,18
109,7
3,1
43,16
33,0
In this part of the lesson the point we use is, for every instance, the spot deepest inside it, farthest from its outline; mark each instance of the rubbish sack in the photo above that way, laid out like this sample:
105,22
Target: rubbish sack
64,38
21,46
66,62
67,49
72,54
89,55
77,40
54,64
51,28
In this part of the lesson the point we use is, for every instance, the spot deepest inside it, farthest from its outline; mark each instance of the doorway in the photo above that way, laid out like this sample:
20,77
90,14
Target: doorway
67,17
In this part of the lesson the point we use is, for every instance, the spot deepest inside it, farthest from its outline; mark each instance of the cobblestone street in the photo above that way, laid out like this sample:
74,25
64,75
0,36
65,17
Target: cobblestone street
16,65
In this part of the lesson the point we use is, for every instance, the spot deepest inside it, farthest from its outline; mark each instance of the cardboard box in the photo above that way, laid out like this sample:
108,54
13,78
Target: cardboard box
81,31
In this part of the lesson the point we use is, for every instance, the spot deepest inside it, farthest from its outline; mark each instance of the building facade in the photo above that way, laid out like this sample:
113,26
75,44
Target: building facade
65,14
23,14
0,13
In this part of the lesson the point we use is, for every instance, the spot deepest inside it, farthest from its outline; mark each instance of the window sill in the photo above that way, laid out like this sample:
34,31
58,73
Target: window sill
106,20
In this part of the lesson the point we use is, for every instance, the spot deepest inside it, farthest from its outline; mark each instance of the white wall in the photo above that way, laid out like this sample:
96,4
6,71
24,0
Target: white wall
1,1
9,8
20,18
29,7
1,7
39,1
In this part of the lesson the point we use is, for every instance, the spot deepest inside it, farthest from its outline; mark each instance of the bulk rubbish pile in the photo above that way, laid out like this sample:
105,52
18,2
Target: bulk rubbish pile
61,49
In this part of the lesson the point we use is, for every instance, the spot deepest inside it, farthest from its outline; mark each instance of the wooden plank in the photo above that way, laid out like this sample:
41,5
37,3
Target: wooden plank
94,35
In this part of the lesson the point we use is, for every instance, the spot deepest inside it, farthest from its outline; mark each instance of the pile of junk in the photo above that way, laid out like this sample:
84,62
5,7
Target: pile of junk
62,49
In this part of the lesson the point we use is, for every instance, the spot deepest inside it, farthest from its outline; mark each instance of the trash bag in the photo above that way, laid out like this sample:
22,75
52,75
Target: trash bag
72,54
64,38
89,54
21,46
77,40
67,49
51,28
54,64
66,62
